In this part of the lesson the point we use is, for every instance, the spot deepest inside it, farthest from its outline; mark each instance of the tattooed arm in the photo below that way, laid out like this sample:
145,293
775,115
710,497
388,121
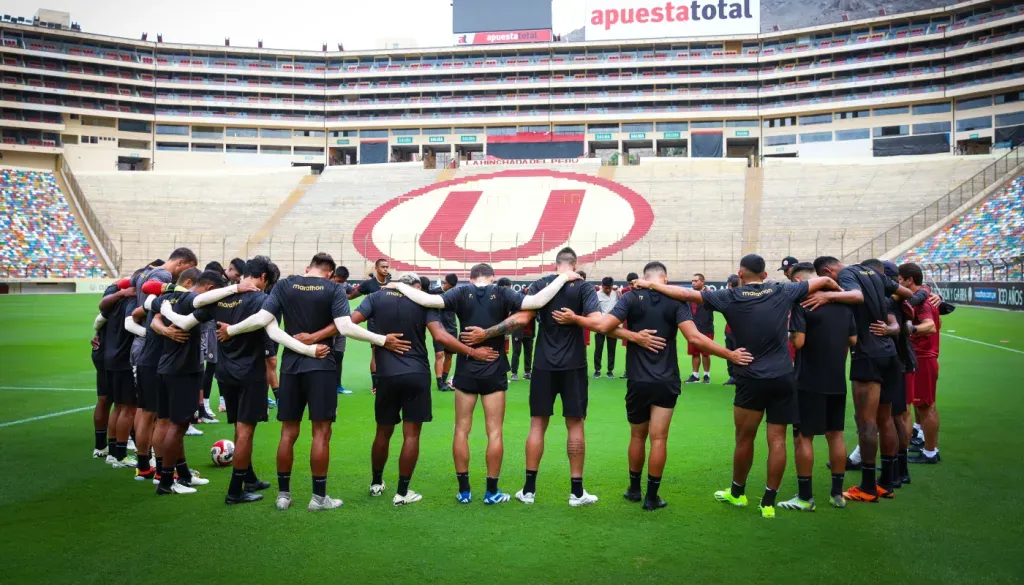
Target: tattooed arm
476,335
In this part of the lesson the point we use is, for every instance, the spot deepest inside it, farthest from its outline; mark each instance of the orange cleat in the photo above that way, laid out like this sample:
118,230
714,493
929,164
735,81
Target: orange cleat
884,493
855,494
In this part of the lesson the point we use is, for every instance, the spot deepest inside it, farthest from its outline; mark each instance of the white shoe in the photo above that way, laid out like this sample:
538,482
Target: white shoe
193,432
197,480
180,488
131,445
409,498
377,489
110,460
208,420
284,500
526,498
100,453
584,500
320,503
126,463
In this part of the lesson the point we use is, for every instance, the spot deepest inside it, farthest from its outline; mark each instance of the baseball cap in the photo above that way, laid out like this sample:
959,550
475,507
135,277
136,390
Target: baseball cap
753,263
788,262
891,270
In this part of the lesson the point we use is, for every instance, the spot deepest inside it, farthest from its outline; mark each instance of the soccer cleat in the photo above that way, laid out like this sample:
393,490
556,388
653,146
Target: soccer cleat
126,463
730,382
498,497
884,493
524,497
597,375
256,486
464,497
514,378
373,390
855,494
131,445
100,453
176,488
284,501
271,403
837,501
905,479
410,497
242,498
321,503
633,495
917,441
584,500
897,482
623,377
922,458
799,505
222,408
915,448
377,489
767,511
196,480
707,379
343,390
144,475
726,497
207,420
691,380
526,376
611,376
193,432
655,505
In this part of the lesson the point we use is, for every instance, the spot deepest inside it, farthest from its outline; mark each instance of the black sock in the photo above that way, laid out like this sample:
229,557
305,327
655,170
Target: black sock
284,481
492,485
274,390
444,376
111,446
576,486
440,383
888,466
902,469
373,378
653,483
378,477
403,484
634,481
101,439
120,451
837,484
768,499
804,491
738,490
237,479
867,478
184,475
166,477
143,464
530,487
320,485
463,481
250,475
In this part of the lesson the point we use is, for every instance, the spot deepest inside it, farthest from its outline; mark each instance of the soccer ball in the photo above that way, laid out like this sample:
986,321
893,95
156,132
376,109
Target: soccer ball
222,453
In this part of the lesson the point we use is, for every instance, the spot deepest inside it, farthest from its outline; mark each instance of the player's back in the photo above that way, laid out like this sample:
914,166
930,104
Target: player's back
242,354
181,358
563,347
306,302
483,307
648,310
827,331
875,288
393,312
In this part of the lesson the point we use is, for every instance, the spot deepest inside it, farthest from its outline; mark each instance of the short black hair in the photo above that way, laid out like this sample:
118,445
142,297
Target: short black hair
504,281
157,263
424,283
238,264
733,281
482,269
874,264
275,273
378,262
323,261
258,266
700,276
632,276
192,274
582,274
913,272
607,281
801,267
341,272
753,263
215,266
566,256
212,277
822,262
188,256
452,279
654,268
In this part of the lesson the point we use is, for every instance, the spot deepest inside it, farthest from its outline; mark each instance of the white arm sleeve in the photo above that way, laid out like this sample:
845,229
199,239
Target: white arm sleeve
212,296
134,328
99,322
148,305
419,297
275,333
537,301
183,322
352,331
257,321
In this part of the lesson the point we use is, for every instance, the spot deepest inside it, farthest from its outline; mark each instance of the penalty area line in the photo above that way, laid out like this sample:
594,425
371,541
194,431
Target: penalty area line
984,343
44,416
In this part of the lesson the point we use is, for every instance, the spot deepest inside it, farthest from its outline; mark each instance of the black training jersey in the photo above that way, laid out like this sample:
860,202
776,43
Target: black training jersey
484,307
703,318
448,320
758,315
117,343
821,363
393,312
876,289
372,285
181,358
241,358
646,309
152,343
904,347
97,354
308,304
562,347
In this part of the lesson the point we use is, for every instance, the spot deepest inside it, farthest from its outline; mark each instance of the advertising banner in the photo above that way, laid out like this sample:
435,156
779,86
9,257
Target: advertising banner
504,37
652,19
507,162
1000,295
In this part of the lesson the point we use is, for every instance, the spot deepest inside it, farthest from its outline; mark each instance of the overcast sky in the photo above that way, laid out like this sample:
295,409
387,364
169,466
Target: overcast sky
288,24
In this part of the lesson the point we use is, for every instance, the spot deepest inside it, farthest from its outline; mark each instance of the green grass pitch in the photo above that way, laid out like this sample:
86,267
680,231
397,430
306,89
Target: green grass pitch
65,517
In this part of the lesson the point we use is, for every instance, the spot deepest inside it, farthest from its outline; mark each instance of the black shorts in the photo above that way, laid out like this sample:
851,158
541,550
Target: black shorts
481,386
545,385
269,348
895,393
820,413
149,388
102,381
318,389
245,401
776,397
438,348
179,397
403,398
641,396
122,387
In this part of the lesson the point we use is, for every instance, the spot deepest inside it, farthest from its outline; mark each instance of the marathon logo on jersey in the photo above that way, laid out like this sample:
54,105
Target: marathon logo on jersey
308,288
229,305
986,295
622,19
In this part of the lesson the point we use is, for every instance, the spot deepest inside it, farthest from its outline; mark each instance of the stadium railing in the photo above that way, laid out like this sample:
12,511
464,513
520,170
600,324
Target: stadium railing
109,253
976,269
938,210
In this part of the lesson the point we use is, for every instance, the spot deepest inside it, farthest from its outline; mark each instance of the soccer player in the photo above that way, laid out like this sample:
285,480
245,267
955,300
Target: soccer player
650,323
443,357
308,304
341,277
270,347
730,340
483,305
403,393
377,280
208,347
522,345
787,267
704,319
630,278
874,367
117,348
924,327
758,313
235,271
105,443
822,339
607,296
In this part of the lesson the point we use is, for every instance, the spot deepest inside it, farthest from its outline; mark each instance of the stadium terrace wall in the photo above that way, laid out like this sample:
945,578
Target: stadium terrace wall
994,295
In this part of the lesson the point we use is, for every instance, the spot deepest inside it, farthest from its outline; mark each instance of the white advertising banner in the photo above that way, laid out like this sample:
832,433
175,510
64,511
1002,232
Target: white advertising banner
652,19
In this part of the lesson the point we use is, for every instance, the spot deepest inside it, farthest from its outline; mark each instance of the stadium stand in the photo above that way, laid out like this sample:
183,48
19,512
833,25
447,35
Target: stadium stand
41,236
